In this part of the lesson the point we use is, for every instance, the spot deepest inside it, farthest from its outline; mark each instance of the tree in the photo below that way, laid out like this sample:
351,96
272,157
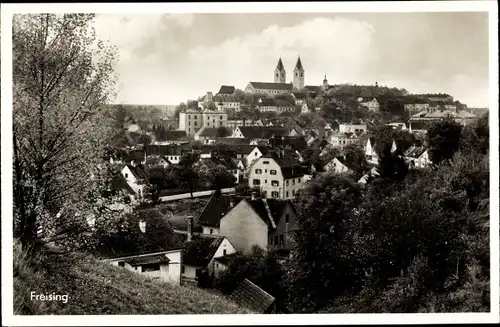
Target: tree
185,174
220,177
211,106
62,78
443,139
144,139
322,259
159,179
475,137
182,107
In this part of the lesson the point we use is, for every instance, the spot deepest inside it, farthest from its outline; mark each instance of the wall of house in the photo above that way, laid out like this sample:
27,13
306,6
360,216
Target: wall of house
244,228
132,181
214,119
254,155
265,177
219,268
206,230
225,247
189,272
351,128
336,167
284,228
292,186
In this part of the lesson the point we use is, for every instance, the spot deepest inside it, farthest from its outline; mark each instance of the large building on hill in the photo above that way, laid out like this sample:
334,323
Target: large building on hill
280,86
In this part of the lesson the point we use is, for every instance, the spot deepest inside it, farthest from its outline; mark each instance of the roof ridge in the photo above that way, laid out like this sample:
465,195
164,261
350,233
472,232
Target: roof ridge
269,214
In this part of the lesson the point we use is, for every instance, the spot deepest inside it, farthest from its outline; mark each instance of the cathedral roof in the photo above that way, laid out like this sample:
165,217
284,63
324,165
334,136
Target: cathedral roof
272,86
280,65
298,66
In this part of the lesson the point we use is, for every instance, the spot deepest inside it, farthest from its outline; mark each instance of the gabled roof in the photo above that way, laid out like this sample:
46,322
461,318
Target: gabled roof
269,210
208,132
157,258
249,295
135,155
180,223
267,102
175,135
415,151
120,183
200,250
216,208
165,150
263,132
348,163
226,89
272,86
296,143
232,141
138,171
299,95
289,165
224,98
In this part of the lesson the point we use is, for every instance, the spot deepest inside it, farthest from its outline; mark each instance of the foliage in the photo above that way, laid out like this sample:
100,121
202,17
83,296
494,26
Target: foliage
62,77
443,139
181,107
475,136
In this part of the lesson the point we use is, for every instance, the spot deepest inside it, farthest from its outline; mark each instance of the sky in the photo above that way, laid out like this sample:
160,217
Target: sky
171,58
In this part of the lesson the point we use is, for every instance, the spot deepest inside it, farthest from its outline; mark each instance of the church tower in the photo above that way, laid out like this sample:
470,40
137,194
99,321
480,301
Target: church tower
325,83
298,75
280,73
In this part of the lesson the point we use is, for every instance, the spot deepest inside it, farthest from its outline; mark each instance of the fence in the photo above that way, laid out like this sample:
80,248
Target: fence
195,194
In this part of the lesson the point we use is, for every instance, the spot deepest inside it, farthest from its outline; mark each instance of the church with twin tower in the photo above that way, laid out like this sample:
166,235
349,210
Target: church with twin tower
281,86
298,74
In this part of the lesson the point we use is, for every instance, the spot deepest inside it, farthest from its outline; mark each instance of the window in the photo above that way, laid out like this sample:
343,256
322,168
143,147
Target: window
195,123
275,183
195,117
258,171
265,181
126,175
189,123
264,194
282,240
299,180
287,217
220,117
287,194
293,181
121,264
224,252
275,194
276,239
265,162
151,267
256,182
183,269
211,231
293,192
265,171
189,116
287,183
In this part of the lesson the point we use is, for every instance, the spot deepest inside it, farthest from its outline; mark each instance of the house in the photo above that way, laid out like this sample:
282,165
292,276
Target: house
223,102
136,178
218,206
352,128
161,161
212,118
249,295
370,151
222,263
256,153
300,98
269,88
190,121
133,128
422,120
292,142
340,165
266,105
171,152
199,256
341,140
413,108
266,223
313,90
398,124
260,133
277,174
417,157
371,174
372,105
226,89
304,109
152,248
119,184
243,122
207,135
136,157
283,105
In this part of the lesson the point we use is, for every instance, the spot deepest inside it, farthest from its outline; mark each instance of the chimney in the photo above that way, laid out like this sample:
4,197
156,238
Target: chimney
231,200
254,195
243,121
189,228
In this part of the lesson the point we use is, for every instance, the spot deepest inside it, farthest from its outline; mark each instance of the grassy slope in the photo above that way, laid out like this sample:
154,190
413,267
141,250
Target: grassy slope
98,288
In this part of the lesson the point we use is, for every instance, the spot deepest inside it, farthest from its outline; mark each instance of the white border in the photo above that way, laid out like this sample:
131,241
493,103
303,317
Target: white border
404,6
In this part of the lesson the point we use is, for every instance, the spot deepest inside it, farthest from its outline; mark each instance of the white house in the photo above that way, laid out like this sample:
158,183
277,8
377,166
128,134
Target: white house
304,108
372,105
200,254
417,157
370,152
400,125
372,173
164,265
135,177
338,166
352,128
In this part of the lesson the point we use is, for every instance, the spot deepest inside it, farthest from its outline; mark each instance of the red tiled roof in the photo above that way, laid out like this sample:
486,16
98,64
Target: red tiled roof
272,86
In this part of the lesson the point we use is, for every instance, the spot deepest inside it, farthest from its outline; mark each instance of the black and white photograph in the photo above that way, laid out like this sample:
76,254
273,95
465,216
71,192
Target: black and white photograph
257,163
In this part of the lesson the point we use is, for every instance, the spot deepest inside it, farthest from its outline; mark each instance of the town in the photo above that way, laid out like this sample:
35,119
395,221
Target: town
249,153
277,196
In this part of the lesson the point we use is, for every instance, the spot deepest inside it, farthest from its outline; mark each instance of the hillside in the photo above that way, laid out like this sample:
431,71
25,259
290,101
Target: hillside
96,288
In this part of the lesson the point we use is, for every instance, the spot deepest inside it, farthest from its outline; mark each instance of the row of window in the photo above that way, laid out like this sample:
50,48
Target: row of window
272,171
256,182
